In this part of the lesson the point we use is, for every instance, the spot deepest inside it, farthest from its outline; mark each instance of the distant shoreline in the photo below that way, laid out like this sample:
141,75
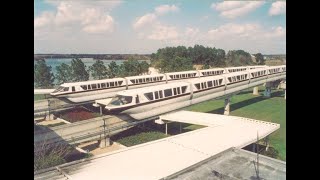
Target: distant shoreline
94,56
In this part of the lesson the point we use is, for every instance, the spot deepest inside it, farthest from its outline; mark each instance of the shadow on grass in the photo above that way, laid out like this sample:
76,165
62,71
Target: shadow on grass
241,104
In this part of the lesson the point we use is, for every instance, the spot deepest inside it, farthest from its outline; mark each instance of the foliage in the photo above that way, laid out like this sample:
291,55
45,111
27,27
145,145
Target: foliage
79,72
45,156
43,77
133,68
177,64
98,70
141,138
64,73
198,55
259,58
238,58
113,70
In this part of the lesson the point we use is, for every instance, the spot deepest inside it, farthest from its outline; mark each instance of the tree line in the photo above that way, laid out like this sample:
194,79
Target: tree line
168,59
77,71
181,58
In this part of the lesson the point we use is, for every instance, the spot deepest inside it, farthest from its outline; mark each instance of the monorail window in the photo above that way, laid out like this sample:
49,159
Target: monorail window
229,78
209,84
73,89
115,83
103,85
147,79
137,99
214,83
174,91
183,75
245,76
183,89
149,95
89,87
160,94
167,93
98,86
171,76
161,77
154,79
220,82
197,86
178,90
94,86
156,95
121,100
108,85
189,75
84,87
120,83
111,84
140,80
133,81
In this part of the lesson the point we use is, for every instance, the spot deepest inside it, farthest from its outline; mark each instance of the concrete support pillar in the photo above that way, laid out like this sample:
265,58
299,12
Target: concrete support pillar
266,140
100,110
49,117
227,106
267,91
285,93
105,142
166,128
256,90
253,147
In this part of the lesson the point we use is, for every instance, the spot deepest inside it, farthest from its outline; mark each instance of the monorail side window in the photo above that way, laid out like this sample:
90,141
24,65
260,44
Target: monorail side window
160,94
174,91
73,89
156,95
209,84
161,77
84,87
140,80
108,85
111,84
229,78
120,83
98,86
178,90
94,86
154,79
183,89
220,82
183,76
133,81
171,76
167,93
116,83
214,83
89,87
149,95
197,86
137,99
103,85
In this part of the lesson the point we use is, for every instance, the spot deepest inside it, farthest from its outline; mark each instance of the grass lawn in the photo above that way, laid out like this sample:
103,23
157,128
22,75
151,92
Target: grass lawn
38,97
247,105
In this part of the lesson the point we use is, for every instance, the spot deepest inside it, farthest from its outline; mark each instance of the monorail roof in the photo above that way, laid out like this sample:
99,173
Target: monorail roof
93,81
144,76
182,72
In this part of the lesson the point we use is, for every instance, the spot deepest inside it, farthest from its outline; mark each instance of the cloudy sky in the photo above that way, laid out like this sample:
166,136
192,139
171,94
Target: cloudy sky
143,26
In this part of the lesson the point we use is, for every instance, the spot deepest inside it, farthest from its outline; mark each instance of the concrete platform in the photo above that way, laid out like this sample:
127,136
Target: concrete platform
164,157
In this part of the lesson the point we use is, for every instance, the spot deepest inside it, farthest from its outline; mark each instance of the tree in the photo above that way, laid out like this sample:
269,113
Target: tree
64,73
43,77
98,70
79,72
259,58
113,70
143,67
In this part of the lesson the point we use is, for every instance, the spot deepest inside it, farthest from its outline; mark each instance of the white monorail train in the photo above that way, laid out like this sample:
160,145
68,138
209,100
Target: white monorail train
152,101
97,89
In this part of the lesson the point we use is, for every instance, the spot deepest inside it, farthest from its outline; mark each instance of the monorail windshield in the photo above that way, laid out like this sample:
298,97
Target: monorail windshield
61,89
121,100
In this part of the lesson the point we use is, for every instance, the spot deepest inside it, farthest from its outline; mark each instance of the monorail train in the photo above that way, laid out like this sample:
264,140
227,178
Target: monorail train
151,101
78,92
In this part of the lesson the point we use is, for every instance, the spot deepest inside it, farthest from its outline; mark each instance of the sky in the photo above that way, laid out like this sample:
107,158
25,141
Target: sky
144,26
